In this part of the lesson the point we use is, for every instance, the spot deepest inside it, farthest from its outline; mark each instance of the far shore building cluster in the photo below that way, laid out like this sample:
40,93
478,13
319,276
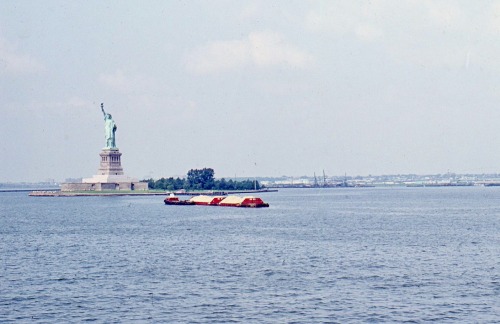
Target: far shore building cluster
400,180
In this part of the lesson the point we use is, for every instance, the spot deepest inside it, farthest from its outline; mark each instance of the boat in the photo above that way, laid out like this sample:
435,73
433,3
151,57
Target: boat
173,200
249,201
207,200
222,201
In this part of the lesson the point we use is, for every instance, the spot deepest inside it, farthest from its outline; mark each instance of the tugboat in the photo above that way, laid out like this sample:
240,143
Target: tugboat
173,200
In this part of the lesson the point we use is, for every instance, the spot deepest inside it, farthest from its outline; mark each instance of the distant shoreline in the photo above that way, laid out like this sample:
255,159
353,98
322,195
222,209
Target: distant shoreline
29,190
58,193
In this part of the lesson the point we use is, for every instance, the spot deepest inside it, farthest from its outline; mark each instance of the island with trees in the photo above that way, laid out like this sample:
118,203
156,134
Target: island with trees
201,179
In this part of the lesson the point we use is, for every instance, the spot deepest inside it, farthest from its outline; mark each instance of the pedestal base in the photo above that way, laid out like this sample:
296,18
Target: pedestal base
110,176
101,186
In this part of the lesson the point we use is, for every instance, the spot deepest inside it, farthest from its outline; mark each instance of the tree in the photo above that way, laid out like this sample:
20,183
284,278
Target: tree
221,184
151,183
200,179
178,183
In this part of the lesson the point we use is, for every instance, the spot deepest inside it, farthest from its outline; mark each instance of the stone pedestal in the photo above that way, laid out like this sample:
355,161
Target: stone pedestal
110,162
109,176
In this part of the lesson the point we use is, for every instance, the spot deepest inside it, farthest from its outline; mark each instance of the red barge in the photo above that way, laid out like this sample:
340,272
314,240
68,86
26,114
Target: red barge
224,201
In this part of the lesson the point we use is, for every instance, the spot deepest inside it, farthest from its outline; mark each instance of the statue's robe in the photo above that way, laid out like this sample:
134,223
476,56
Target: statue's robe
109,128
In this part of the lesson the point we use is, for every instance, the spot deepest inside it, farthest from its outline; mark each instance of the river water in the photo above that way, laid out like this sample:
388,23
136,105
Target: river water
314,256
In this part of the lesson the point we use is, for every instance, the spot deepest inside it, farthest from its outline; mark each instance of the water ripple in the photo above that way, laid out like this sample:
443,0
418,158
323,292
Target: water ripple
315,256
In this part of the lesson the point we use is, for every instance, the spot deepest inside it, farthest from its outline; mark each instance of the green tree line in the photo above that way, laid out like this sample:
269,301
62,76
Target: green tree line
201,179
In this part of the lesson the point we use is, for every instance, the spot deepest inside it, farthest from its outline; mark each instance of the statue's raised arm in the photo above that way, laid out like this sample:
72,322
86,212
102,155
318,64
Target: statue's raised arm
102,109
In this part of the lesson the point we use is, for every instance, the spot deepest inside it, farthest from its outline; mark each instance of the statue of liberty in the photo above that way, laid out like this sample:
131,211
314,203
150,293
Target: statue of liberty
109,129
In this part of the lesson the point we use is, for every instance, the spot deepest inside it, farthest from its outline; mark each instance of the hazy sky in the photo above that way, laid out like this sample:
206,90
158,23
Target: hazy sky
250,88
